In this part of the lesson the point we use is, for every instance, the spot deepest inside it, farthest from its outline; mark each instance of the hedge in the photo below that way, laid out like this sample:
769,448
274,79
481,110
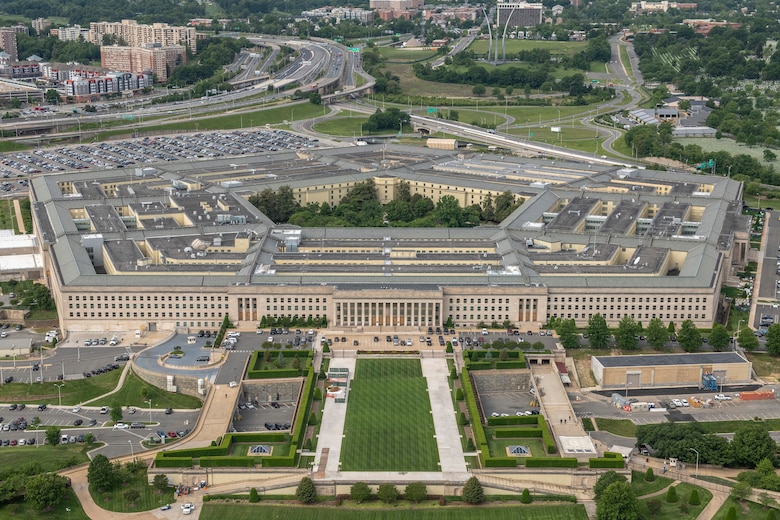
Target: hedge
606,462
518,432
256,437
501,462
278,462
256,363
217,462
171,462
500,365
480,365
471,403
273,374
612,455
547,438
207,451
550,462
513,419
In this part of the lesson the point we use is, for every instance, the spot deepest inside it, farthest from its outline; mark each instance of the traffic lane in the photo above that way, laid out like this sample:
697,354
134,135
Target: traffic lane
65,416
767,284
149,360
232,369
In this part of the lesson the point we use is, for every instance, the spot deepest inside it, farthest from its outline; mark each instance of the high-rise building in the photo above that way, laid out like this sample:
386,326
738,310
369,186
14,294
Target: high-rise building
41,24
157,58
8,43
133,34
519,14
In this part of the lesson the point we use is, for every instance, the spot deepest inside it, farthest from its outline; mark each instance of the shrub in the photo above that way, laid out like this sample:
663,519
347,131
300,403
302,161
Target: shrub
470,445
671,495
387,493
306,492
448,350
317,394
654,506
253,496
649,475
360,492
732,513
473,492
416,492
694,499
459,394
525,498
462,419
313,418
325,349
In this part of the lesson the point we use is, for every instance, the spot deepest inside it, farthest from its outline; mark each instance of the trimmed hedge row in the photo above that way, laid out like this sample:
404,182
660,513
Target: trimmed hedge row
479,365
550,462
256,437
477,355
513,419
500,365
547,438
216,462
501,462
172,462
471,403
518,432
606,463
256,363
196,453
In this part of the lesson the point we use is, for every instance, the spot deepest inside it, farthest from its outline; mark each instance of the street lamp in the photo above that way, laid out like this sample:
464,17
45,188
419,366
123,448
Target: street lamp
697,459
150,409
78,352
59,391
627,385
13,351
736,337
132,454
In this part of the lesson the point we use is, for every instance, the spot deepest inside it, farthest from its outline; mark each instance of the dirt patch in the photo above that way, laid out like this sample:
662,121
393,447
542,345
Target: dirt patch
584,372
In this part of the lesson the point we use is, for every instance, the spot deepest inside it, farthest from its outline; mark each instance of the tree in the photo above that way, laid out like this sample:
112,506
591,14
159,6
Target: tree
253,496
598,332
604,481
160,483
671,495
719,338
52,96
617,502
747,340
448,212
315,98
45,490
769,155
741,491
306,493
567,331
387,493
53,435
773,339
116,412
525,498
478,90
654,506
131,495
416,492
657,334
689,337
473,492
694,499
360,492
751,444
100,474
626,336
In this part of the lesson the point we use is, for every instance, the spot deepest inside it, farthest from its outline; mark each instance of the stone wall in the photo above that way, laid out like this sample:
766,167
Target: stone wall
264,391
488,381
187,385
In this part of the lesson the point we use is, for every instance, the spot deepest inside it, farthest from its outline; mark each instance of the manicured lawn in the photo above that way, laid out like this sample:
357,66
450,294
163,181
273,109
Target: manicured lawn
51,458
213,511
341,126
623,427
642,487
718,480
7,214
406,55
514,46
116,500
678,509
74,392
745,510
20,509
764,364
498,446
388,425
12,146
626,61
133,391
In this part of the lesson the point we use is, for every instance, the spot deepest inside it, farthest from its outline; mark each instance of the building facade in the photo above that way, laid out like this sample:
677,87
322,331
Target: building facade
519,14
134,34
158,59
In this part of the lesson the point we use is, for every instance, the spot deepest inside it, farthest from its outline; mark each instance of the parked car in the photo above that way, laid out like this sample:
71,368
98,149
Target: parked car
677,403
722,397
684,403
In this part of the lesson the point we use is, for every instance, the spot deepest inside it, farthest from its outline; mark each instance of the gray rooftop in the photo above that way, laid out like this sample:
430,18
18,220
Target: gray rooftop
702,358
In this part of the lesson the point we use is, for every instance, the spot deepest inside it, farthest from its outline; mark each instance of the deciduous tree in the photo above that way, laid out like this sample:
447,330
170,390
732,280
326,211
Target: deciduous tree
360,492
617,502
45,490
598,332
387,493
751,444
101,474
416,492
689,337
719,338
657,334
626,335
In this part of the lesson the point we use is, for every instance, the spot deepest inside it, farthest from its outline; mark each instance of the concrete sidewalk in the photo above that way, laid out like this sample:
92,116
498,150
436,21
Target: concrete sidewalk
332,429
451,459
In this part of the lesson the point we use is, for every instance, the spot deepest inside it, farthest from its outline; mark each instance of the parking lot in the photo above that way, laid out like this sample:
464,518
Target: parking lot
148,150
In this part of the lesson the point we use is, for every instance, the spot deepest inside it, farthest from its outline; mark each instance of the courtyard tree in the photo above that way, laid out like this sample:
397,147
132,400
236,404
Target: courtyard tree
689,337
747,340
657,334
598,332
626,335
567,331
719,338
45,490
160,483
773,339
116,412
306,493
387,493
610,477
101,473
360,492
751,444
617,502
473,492
416,492
53,435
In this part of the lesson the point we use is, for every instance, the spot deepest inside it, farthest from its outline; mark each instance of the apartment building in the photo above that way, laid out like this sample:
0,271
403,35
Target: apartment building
133,34
156,58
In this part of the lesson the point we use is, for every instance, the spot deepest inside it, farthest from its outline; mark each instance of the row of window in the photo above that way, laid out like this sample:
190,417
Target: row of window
618,316
602,308
78,314
633,299
148,298
483,317
142,306
295,300
479,308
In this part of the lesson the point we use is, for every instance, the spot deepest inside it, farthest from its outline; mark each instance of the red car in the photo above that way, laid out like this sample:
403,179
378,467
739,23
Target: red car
172,435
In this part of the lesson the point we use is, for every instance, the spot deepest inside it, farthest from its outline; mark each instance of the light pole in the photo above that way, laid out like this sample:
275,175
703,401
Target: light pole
697,459
68,510
78,352
150,410
59,391
132,454
627,385
13,351
736,337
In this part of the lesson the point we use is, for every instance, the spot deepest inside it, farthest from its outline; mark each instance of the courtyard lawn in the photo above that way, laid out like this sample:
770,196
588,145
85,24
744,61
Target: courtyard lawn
136,392
388,425
679,510
368,511
622,427
745,510
498,446
641,487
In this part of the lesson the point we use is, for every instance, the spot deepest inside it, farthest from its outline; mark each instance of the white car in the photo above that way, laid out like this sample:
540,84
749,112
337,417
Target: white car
76,409
722,397
685,402
677,403
121,426
187,508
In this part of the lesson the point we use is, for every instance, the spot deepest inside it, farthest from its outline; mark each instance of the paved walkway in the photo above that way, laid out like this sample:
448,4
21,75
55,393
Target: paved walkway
332,429
444,416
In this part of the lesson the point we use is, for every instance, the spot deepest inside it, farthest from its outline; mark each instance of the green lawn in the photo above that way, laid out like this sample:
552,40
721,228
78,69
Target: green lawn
626,61
622,427
74,392
764,364
388,425
745,510
20,509
213,511
642,487
341,126
514,46
680,509
406,55
498,446
51,458
116,500
135,392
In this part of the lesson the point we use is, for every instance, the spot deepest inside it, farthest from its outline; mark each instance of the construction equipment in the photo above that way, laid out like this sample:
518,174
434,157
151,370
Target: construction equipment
709,383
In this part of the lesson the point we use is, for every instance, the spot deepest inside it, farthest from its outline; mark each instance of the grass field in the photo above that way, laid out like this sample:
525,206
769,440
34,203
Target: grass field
710,144
622,427
133,391
626,61
498,446
388,425
406,55
51,458
341,126
745,510
74,392
641,487
213,511
679,510
514,46
764,364
20,509
116,500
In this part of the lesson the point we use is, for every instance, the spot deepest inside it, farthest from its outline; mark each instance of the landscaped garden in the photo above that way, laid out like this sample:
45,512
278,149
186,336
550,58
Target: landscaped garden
388,425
